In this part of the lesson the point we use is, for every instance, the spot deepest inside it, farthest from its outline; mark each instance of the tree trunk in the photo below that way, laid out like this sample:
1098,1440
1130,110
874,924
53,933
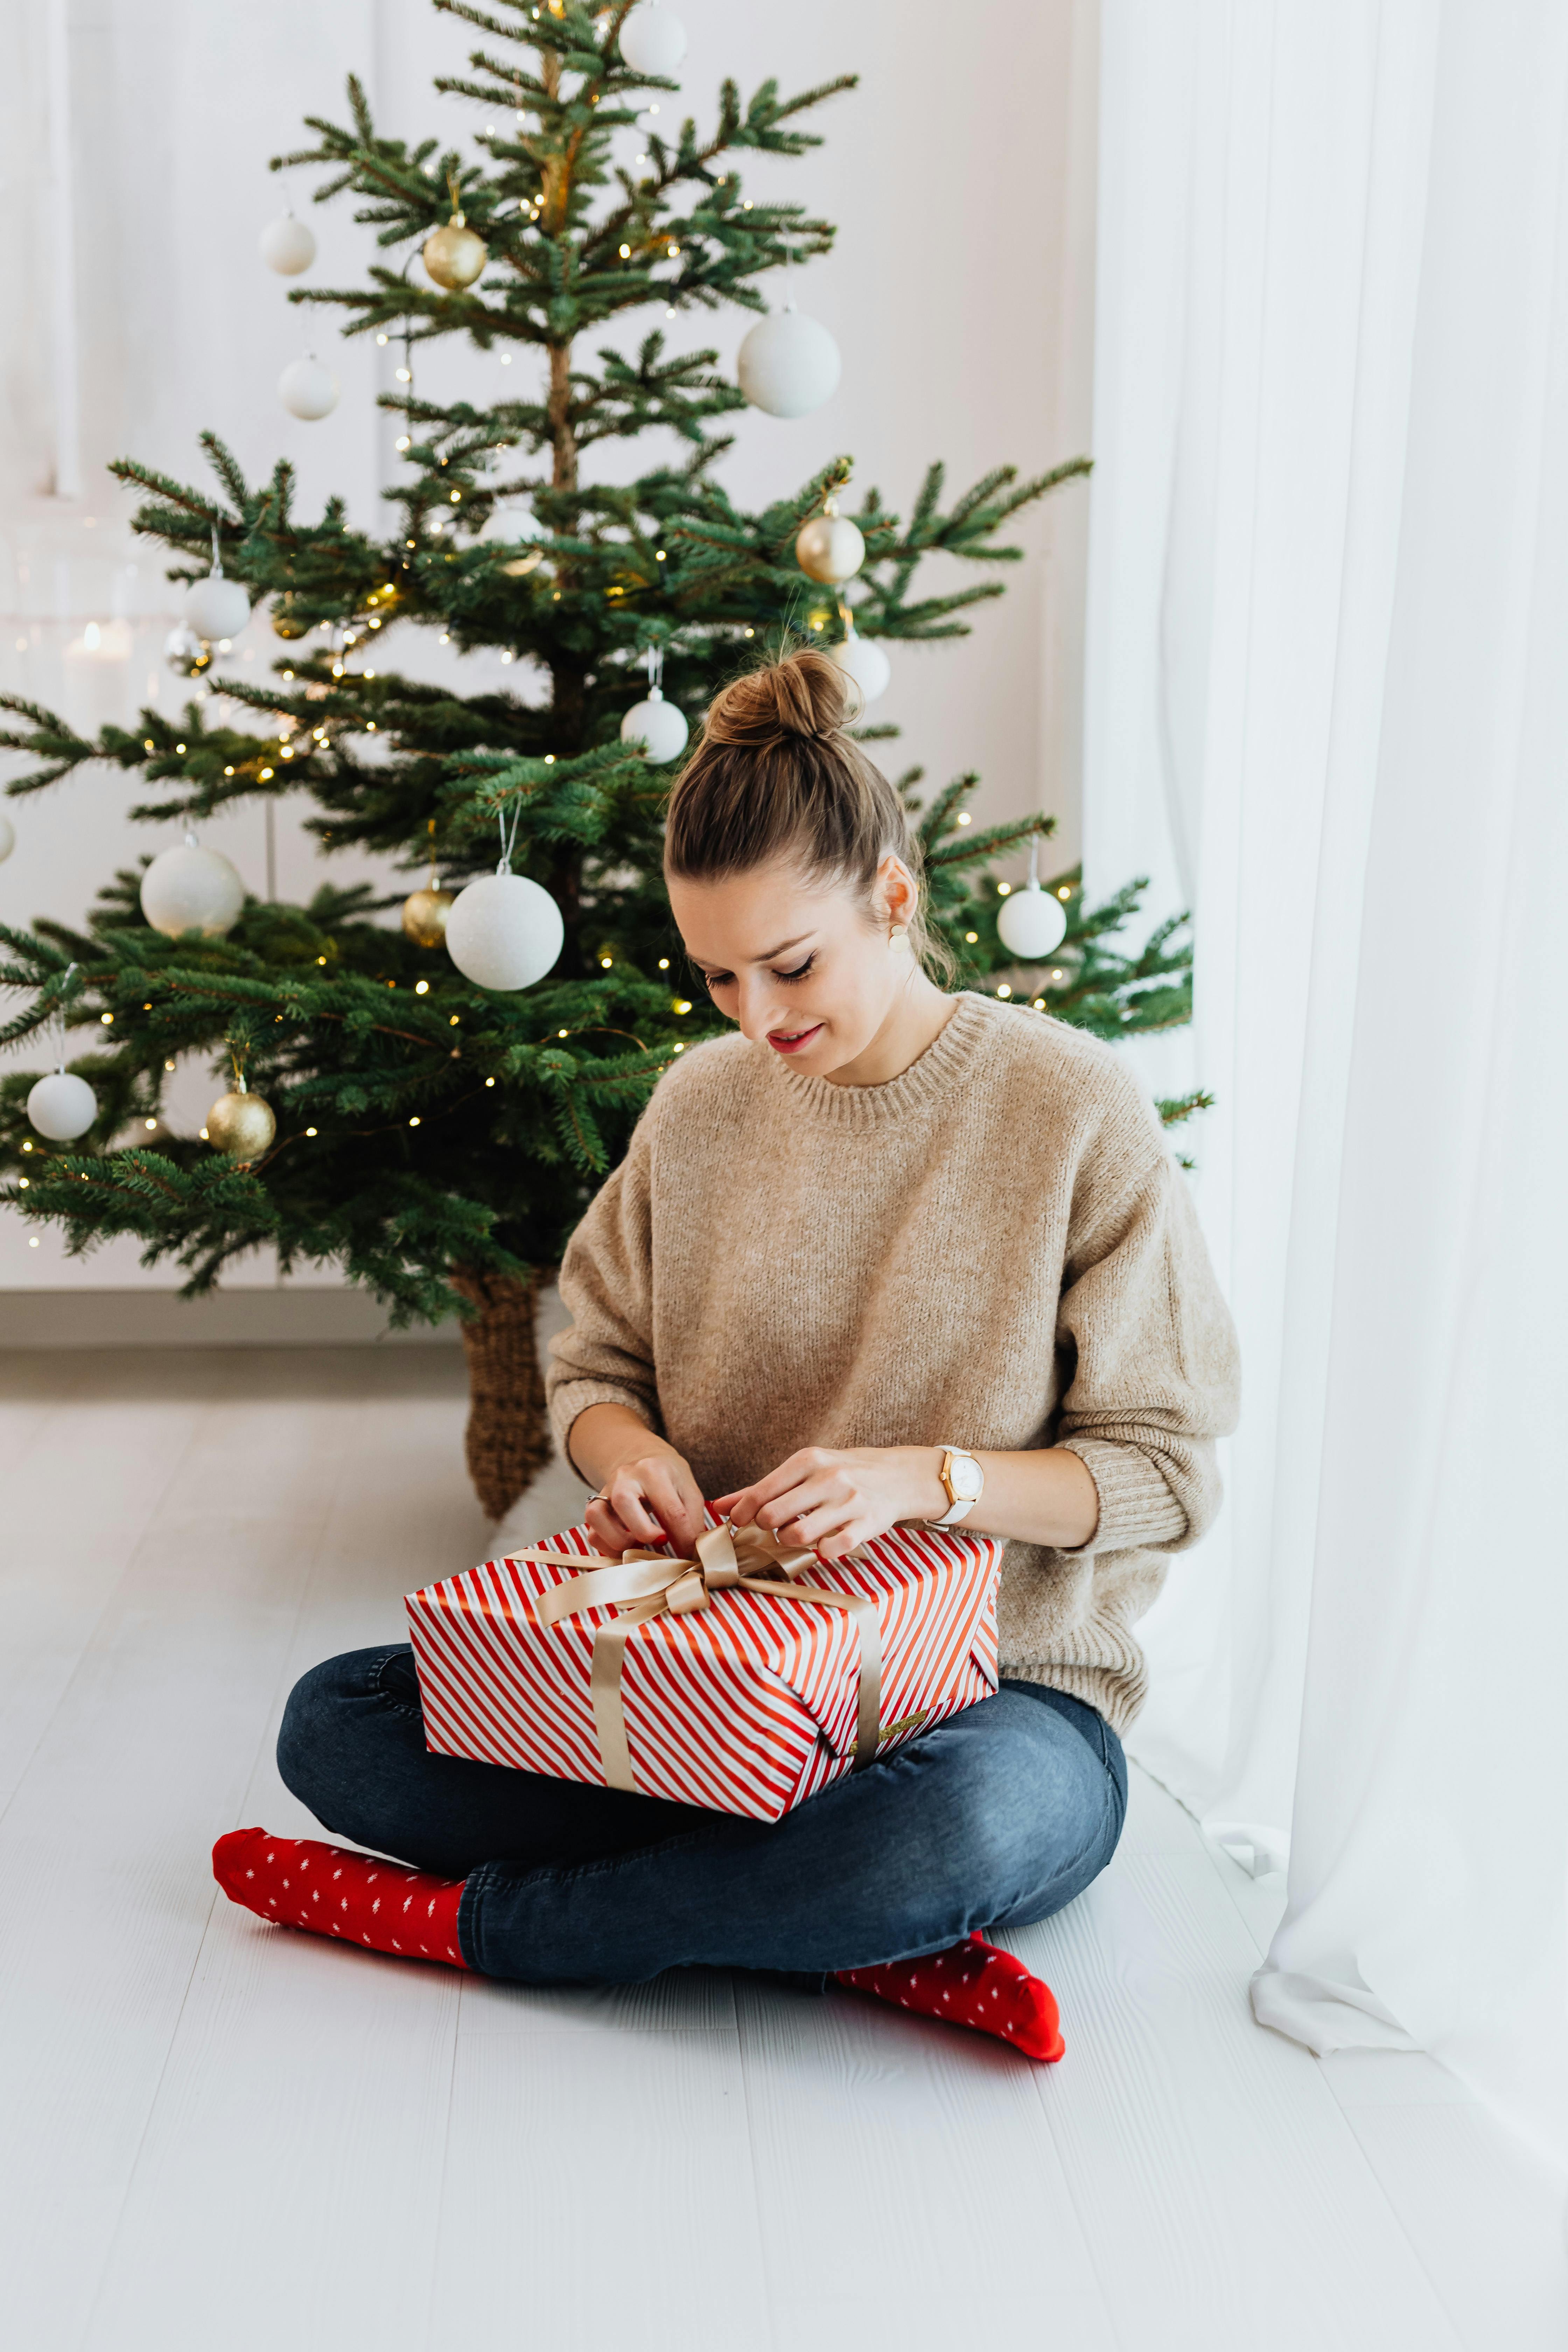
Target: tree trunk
507,1438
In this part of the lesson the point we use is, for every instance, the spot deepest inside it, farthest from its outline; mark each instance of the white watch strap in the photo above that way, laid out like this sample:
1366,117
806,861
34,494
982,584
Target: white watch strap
965,1503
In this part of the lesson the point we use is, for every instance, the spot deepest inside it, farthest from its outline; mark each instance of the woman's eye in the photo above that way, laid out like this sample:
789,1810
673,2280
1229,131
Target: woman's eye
713,979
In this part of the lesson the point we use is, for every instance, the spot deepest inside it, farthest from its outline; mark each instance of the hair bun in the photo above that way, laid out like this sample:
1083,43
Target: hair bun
805,695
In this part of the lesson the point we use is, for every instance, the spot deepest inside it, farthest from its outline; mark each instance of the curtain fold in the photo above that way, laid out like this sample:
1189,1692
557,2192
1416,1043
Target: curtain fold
1327,708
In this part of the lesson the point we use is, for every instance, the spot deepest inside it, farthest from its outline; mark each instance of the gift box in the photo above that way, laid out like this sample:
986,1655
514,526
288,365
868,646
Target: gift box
743,1677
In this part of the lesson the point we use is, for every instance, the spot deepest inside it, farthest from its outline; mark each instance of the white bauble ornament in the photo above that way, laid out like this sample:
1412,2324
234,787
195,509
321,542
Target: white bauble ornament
8,839
829,548
504,931
184,653
62,1107
653,41
192,889
788,364
216,607
863,659
307,389
1033,923
658,725
286,246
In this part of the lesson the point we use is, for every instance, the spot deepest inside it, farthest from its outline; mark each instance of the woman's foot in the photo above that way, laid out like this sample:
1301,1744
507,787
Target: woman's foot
972,1984
300,1882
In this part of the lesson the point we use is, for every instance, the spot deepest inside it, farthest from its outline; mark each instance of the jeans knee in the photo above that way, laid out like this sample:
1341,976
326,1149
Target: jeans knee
1029,1828
310,1735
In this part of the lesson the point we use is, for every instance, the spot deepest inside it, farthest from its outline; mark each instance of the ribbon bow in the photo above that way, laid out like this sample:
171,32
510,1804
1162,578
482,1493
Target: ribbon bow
643,1585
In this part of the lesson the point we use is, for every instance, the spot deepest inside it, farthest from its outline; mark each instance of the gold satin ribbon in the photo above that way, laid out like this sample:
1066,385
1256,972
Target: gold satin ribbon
643,1585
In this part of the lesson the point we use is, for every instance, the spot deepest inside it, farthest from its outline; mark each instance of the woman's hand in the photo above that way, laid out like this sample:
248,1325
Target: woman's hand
645,1500
834,1501
647,1489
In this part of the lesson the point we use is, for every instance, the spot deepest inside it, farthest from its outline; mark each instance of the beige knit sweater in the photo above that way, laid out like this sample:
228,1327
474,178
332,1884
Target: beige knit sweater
993,1250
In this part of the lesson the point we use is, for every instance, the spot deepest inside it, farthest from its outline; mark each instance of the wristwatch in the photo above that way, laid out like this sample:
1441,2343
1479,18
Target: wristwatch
965,1483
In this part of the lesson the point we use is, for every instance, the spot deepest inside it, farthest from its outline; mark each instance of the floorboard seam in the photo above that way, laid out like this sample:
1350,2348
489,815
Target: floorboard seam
435,2235
1042,2099
307,1586
153,1508
1324,2090
745,2054
132,2169
112,2239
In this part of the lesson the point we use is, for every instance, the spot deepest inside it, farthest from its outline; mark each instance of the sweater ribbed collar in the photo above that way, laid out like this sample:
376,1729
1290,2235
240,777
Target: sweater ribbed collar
950,1056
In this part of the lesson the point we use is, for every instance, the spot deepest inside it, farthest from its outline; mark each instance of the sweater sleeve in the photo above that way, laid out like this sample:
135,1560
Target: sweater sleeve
606,1356
1155,1376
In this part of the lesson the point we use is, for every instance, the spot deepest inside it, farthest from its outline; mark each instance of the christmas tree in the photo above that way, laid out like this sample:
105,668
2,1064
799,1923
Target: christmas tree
435,1137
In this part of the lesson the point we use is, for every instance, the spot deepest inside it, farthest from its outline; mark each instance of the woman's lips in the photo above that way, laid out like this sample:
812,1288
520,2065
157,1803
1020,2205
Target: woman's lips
785,1042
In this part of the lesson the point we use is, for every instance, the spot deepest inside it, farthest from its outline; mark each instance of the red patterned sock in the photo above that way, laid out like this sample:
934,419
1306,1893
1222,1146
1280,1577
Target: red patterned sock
300,1882
972,1984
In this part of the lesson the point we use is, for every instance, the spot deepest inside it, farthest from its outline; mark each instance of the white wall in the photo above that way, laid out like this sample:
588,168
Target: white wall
961,172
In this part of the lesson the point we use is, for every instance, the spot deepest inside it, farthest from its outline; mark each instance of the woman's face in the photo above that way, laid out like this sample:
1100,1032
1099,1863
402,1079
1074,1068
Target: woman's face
803,966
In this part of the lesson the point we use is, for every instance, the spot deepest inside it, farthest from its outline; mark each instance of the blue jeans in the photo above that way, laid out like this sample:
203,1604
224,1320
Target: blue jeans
994,1818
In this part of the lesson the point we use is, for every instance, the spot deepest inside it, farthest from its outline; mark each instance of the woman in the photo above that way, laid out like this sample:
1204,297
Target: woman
887,1255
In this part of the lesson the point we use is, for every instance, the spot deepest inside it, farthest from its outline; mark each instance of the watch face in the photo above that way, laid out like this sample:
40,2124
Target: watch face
968,1478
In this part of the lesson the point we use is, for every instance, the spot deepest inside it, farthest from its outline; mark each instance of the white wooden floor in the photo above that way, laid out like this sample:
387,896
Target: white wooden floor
218,2133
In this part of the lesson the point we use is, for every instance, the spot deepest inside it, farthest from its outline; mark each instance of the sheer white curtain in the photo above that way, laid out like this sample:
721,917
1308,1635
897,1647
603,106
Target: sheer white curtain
1328,709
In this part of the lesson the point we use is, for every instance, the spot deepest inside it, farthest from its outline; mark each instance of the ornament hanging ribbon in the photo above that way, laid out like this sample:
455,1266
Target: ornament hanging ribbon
644,1585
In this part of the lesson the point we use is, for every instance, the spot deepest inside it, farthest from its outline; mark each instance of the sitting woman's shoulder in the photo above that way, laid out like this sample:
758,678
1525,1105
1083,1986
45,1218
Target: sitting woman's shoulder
1082,1081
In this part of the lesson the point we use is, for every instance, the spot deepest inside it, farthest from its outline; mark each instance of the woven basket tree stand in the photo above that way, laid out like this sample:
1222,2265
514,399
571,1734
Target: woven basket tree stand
508,1437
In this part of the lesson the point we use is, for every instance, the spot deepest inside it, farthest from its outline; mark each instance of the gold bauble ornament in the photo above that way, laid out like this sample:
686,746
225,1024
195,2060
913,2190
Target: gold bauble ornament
286,623
829,547
241,1124
425,914
454,256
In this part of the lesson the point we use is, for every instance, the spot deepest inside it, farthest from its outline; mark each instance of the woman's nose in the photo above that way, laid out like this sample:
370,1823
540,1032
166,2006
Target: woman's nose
757,1010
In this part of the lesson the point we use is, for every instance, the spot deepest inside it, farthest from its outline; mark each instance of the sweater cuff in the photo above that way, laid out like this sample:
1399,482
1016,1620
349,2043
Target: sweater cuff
1136,1505
574,1399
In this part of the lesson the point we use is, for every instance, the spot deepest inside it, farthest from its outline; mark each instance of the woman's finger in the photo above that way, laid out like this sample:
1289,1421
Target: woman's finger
814,1526
675,1501
629,1500
844,1539
815,1492
609,1531
751,1499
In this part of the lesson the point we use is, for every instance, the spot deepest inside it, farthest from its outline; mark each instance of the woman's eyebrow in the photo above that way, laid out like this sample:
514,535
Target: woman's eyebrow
784,949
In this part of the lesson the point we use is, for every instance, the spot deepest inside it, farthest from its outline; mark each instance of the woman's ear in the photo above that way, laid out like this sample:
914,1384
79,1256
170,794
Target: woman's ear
893,894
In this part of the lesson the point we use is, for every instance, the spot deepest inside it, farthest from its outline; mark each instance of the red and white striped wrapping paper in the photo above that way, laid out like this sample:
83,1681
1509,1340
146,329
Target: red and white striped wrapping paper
746,1706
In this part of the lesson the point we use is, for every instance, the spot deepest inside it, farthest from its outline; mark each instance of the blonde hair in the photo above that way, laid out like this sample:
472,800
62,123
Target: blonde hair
775,775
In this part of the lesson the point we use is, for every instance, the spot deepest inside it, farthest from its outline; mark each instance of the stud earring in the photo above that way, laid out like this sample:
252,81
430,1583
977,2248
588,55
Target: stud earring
898,940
